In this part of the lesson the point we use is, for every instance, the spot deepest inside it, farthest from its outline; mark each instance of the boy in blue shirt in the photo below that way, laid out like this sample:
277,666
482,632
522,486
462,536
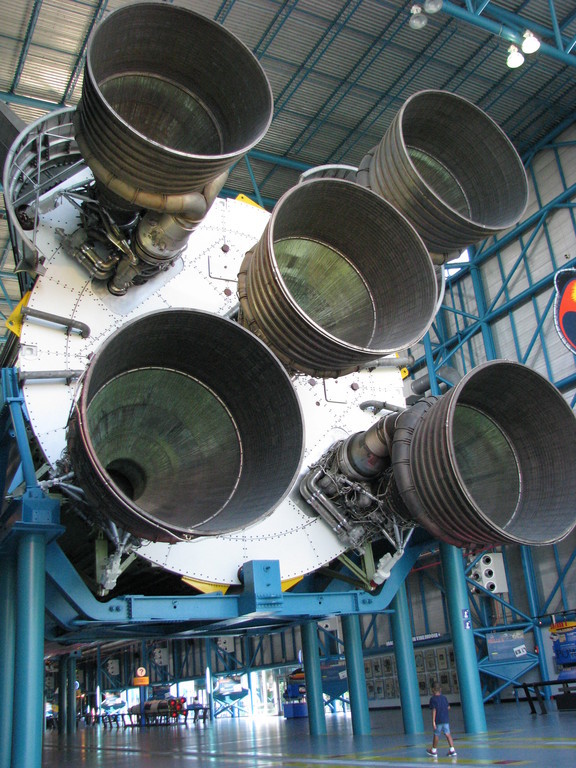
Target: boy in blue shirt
440,721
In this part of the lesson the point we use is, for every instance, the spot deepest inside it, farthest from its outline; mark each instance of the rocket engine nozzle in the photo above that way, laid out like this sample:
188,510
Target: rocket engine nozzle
338,279
186,425
450,169
490,468
471,467
170,101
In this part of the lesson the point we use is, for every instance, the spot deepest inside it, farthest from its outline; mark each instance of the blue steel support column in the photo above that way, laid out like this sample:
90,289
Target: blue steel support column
313,675
209,681
7,654
356,676
406,663
71,691
98,679
62,697
29,667
463,639
534,603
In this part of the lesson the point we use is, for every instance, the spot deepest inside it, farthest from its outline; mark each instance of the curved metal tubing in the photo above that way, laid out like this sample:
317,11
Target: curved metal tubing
338,279
42,157
186,425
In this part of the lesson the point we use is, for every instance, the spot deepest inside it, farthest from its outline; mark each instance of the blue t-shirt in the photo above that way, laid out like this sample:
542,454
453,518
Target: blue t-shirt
440,704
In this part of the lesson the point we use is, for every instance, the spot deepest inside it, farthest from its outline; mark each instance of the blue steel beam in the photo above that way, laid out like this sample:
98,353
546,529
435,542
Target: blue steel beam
513,34
274,27
74,607
392,96
510,672
559,585
534,603
62,698
13,400
224,10
350,80
27,101
79,64
406,664
323,44
29,660
447,348
7,655
463,639
485,251
555,31
254,182
313,675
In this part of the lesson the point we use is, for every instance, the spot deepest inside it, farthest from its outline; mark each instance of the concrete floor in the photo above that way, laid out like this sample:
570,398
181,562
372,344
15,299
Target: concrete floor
514,737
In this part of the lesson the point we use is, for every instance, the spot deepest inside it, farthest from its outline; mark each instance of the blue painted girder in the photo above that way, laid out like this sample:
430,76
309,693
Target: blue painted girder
75,609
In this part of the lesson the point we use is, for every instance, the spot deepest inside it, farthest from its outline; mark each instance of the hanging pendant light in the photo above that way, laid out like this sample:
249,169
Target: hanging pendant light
433,6
515,58
530,44
418,19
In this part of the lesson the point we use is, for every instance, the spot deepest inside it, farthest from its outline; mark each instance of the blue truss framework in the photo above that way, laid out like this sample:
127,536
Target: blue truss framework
511,26
75,609
444,348
80,615
441,346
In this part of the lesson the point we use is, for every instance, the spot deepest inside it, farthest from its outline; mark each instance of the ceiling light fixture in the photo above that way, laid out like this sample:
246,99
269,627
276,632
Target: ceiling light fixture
515,58
530,44
418,20
433,6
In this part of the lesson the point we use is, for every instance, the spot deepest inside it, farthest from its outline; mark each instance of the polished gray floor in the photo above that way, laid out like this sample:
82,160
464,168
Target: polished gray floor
515,737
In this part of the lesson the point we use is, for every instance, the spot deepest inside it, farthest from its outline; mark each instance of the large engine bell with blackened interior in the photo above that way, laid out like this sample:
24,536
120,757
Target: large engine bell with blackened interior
186,425
450,169
338,279
170,101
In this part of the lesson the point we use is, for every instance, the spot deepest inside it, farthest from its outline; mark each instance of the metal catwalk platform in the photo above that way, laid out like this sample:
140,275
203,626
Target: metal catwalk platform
515,737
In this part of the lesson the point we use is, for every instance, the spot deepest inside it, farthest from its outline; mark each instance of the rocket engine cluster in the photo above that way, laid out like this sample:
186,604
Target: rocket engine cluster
209,398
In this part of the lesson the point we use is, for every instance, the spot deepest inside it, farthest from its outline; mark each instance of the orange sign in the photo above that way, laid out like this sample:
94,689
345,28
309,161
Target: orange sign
140,681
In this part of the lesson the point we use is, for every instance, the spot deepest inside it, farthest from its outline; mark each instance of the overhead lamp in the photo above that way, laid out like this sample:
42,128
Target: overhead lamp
530,44
433,6
418,19
515,58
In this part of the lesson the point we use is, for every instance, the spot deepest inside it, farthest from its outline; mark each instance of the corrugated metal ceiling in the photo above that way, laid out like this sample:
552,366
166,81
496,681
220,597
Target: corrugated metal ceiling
339,69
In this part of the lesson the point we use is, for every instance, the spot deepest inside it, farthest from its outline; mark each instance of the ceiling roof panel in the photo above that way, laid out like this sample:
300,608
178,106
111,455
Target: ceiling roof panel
339,69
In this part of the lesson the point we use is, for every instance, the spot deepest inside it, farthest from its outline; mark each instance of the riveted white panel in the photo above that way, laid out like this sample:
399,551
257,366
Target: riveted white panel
203,278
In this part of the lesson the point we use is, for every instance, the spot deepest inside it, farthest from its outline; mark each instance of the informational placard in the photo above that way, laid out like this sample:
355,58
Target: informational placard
506,646
141,677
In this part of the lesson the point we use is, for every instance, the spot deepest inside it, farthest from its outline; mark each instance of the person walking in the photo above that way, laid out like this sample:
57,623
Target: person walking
440,722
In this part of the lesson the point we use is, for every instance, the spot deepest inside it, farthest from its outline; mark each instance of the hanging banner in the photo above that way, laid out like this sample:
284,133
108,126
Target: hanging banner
565,307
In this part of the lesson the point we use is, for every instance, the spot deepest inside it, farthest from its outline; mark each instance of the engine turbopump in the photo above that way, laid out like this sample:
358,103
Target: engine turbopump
467,467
